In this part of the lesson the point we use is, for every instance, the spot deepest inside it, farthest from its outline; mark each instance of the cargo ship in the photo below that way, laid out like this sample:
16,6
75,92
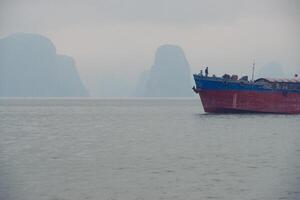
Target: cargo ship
229,94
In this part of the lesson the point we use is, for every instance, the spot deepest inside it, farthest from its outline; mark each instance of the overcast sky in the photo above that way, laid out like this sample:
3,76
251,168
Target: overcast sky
116,39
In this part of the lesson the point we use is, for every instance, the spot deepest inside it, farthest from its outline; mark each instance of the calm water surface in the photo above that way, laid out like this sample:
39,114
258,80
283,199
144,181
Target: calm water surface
60,149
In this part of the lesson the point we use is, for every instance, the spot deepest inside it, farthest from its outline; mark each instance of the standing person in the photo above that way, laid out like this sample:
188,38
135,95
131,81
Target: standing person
206,71
201,74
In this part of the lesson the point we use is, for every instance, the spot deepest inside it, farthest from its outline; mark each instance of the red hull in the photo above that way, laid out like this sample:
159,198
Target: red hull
216,101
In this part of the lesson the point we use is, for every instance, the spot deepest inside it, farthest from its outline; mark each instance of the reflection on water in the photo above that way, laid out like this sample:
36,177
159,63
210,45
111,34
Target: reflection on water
60,149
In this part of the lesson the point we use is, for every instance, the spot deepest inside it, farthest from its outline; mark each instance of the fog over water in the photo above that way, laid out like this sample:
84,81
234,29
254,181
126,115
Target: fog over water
110,145
113,42
68,149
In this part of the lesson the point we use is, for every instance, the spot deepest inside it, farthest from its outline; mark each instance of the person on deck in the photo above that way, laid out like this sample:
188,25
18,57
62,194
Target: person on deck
206,71
201,74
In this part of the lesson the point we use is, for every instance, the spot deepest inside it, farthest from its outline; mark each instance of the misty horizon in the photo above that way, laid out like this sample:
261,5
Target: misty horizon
114,42
149,99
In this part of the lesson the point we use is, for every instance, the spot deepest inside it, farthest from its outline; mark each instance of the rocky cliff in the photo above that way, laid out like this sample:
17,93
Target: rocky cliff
169,76
30,67
271,70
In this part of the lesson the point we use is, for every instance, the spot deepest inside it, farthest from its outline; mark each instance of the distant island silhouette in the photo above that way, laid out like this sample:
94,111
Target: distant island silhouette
271,70
169,76
30,67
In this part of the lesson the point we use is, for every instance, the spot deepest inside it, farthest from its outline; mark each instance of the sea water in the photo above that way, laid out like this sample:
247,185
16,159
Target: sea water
144,149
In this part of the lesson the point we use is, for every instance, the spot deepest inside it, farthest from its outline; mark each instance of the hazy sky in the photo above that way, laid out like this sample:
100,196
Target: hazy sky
115,40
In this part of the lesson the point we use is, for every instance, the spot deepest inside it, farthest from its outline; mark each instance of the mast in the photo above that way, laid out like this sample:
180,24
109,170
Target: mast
253,69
